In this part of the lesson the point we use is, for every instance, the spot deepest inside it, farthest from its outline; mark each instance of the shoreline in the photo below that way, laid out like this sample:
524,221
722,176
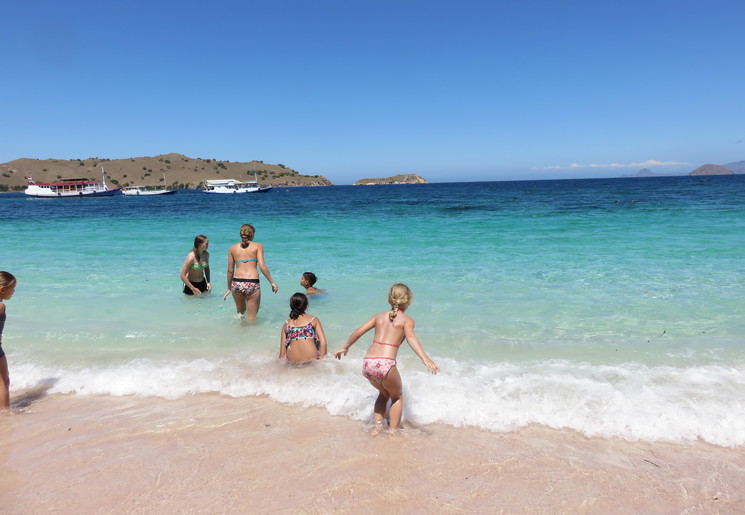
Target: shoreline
209,453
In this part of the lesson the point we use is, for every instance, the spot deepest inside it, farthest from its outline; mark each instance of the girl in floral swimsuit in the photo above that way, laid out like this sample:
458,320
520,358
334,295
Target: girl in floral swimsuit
379,366
302,339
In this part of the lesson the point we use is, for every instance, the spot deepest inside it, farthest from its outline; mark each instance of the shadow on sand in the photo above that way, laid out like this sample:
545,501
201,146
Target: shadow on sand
27,397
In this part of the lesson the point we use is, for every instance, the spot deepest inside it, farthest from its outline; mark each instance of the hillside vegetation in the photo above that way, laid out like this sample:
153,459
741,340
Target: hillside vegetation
180,172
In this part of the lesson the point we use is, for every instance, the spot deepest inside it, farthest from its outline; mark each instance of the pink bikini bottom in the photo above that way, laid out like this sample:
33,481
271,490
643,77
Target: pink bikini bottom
375,369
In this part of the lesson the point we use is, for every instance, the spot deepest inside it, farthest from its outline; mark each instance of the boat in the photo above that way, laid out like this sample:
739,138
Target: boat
228,186
78,187
135,191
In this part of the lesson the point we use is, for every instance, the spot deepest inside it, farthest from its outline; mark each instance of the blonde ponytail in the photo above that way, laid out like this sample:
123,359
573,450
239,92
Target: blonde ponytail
399,297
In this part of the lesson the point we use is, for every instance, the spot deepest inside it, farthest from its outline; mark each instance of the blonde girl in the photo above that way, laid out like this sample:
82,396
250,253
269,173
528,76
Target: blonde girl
245,259
379,366
7,288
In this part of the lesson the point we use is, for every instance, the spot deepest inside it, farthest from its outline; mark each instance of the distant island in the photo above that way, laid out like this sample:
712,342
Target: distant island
181,172
712,170
737,167
405,178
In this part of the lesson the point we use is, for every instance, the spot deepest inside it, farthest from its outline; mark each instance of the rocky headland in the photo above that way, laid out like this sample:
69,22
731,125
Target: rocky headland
404,178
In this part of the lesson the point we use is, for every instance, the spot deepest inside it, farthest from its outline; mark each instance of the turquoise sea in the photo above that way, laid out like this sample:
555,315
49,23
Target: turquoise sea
613,307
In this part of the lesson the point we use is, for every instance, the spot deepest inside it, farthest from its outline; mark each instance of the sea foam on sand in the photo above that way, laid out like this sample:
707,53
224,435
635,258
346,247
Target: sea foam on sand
216,454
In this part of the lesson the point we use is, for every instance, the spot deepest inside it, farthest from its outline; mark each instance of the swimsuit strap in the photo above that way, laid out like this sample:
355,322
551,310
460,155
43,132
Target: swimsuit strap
246,260
390,344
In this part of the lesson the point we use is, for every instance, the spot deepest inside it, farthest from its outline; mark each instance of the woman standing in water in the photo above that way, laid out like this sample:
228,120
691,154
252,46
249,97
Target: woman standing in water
195,272
245,259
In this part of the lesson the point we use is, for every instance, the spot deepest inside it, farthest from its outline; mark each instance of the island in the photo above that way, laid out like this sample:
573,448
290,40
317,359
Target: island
175,171
712,170
402,178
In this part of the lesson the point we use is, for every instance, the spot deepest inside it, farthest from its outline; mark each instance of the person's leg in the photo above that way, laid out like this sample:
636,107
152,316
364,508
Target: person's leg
240,302
4,384
392,385
380,403
253,303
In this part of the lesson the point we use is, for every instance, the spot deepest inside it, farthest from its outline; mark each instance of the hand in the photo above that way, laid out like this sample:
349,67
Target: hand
275,288
338,354
209,286
432,366
227,292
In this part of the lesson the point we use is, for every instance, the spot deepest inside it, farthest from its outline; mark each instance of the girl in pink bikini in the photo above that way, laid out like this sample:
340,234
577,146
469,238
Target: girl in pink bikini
379,366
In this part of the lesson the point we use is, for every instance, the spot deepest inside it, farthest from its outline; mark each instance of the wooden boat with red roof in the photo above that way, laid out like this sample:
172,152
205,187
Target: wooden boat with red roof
70,188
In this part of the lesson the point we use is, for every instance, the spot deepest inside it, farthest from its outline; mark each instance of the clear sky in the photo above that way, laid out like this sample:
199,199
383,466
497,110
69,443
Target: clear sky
450,90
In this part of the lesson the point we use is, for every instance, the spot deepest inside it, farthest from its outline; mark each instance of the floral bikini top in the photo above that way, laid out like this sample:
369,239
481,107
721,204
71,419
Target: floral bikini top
304,331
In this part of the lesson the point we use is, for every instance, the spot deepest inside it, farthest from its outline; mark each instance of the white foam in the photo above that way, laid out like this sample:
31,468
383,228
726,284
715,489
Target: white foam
629,401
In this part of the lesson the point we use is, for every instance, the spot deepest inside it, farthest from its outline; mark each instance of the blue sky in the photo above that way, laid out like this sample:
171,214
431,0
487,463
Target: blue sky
466,90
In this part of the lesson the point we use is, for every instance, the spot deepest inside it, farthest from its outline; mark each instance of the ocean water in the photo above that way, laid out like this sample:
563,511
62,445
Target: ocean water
610,307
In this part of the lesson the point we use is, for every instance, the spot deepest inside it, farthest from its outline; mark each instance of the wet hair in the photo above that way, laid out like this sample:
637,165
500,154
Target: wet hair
298,305
247,234
310,277
7,279
399,296
200,238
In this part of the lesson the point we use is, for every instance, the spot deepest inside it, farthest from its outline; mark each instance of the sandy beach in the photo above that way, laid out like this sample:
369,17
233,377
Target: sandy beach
214,454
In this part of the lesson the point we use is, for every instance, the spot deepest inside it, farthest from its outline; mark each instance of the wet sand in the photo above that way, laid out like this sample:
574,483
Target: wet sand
212,454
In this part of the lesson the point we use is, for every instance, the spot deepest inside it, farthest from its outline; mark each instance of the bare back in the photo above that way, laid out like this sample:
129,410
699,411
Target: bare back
389,334
245,261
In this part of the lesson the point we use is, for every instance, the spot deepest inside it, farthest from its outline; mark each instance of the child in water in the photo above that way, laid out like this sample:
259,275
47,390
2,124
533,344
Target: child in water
7,288
302,339
379,366
307,281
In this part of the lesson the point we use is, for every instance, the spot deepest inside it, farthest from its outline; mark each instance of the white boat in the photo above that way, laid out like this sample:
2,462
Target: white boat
70,188
136,191
229,186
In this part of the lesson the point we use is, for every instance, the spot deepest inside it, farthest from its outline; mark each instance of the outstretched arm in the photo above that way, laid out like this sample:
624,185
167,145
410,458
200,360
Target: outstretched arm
231,271
265,269
356,335
413,342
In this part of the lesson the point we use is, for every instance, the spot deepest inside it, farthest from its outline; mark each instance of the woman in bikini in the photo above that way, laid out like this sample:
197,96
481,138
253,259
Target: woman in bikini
7,288
379,366
195,272
245,259
302,339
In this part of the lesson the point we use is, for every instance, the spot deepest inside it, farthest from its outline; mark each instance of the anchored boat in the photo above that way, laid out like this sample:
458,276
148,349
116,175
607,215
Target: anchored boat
136,191
70,188
229,186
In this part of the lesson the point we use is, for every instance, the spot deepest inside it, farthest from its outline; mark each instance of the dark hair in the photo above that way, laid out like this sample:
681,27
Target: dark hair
7,279
198,240
310,277
298,305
